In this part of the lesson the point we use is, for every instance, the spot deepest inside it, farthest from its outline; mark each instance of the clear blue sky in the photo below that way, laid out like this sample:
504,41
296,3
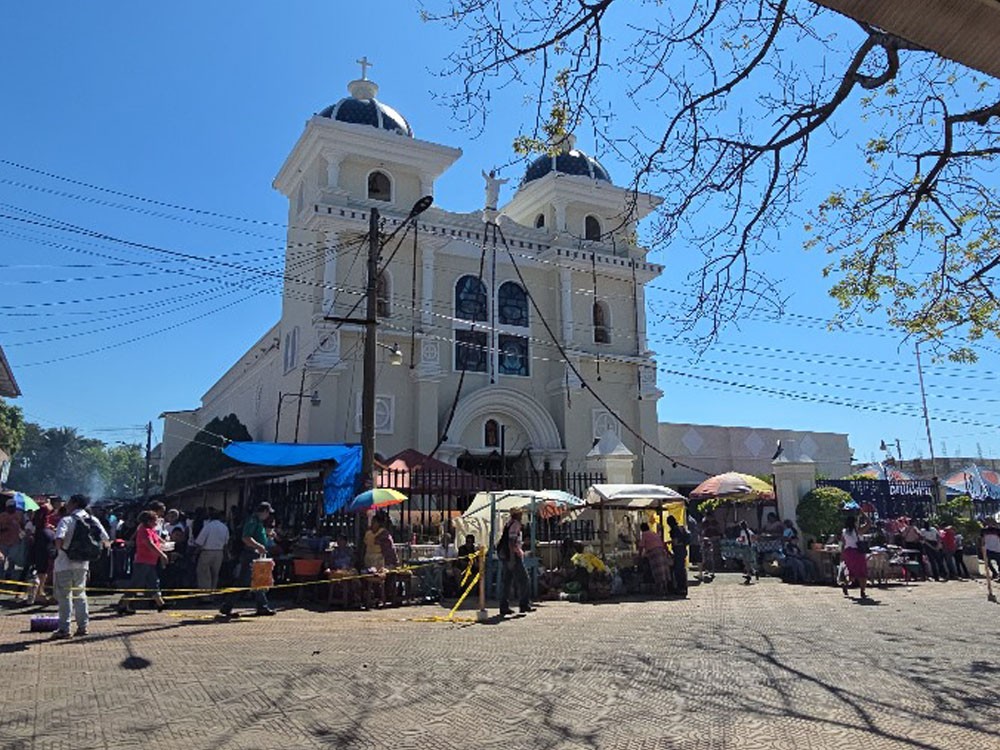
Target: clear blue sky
197,104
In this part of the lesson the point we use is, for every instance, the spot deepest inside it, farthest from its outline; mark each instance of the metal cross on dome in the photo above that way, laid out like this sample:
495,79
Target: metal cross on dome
365,64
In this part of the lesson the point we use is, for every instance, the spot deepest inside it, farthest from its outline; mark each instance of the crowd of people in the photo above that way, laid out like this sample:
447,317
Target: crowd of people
48,556
937,553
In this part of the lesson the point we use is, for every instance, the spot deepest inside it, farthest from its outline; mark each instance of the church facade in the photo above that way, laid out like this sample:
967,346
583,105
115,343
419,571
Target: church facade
487,317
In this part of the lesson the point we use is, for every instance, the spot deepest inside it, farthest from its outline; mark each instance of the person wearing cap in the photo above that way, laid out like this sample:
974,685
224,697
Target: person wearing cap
254,546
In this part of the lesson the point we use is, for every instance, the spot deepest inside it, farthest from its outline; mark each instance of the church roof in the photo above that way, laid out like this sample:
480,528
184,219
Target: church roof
570,161
362,108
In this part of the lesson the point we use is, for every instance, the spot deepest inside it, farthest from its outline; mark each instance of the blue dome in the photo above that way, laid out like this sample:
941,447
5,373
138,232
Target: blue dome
362,108
368,112
572,162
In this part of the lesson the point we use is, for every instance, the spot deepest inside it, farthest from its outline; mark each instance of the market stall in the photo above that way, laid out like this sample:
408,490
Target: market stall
622,507
488,513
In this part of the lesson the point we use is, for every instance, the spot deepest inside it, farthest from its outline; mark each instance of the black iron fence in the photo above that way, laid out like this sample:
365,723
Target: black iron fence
434,499
890,499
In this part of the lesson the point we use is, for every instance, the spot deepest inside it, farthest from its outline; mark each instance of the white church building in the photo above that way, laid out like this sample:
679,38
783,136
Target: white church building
481,373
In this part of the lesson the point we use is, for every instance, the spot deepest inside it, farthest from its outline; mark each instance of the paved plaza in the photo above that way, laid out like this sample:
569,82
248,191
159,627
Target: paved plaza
763,666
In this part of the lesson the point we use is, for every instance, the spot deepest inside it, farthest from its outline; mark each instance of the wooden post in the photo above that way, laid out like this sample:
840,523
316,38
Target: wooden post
600,525
990,596
482,615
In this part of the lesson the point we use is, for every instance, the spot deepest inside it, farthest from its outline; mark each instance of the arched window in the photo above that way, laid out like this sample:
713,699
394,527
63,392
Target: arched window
470,299
512,305
379,186
592,228
383,294
602,327
540,221
491,434
291,347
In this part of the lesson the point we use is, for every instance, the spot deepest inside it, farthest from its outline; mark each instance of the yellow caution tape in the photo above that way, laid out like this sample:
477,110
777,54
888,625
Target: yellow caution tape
184,593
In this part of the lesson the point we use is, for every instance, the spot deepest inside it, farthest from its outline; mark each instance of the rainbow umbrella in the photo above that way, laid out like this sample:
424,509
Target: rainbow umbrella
380,497
22,502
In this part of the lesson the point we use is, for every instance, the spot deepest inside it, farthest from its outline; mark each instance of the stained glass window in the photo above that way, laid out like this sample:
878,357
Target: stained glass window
470,351
513,355
491,434
512,305
602,332
470,299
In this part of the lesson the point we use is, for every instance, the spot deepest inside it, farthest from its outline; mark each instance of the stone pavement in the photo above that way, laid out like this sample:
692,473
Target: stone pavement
764,666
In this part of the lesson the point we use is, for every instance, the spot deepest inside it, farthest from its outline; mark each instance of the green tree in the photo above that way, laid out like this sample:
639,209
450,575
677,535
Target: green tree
58,460
12,428
126,470
819,513
202,458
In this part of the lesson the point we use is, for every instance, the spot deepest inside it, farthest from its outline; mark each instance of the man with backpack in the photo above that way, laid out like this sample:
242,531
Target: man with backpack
80,539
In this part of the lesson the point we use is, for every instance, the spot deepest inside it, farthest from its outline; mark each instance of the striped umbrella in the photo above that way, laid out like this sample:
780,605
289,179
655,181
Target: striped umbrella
380,497
734,486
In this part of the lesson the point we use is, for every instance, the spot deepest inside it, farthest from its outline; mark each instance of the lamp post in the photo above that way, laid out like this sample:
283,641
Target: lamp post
884,446
314,399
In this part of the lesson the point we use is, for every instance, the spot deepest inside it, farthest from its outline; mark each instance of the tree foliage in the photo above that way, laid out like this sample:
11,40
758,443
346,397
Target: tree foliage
58,460
819,513
730,100
11,428
202,458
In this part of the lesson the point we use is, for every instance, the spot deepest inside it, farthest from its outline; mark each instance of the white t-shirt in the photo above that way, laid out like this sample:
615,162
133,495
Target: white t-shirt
992,542
930,535
214,536
65,531
850,539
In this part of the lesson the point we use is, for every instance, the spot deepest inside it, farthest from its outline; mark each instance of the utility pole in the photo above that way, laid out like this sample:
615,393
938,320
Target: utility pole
149,453
927,425
369,364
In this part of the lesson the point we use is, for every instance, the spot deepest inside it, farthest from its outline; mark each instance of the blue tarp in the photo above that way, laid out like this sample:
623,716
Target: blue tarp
341,484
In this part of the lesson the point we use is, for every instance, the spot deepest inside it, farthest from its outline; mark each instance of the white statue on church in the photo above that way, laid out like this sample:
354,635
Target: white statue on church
493,185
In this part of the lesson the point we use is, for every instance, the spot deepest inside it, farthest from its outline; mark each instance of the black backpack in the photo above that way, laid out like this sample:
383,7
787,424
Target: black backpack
87,541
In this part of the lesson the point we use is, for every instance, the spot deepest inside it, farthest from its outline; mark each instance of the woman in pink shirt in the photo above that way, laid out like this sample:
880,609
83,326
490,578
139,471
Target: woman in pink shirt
148,555
652,548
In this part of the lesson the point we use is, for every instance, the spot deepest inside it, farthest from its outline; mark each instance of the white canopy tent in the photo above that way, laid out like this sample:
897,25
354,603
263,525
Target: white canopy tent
489,511
625,501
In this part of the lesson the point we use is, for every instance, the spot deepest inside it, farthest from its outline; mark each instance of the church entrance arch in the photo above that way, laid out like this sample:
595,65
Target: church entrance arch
528,428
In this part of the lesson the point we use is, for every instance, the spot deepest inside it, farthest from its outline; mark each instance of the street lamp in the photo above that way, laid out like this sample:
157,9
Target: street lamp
395,354
885,446
314,399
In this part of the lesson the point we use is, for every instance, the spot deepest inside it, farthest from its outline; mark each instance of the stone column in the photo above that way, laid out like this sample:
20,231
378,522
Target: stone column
566,297
329,274
613,459
333,160
427,285
794,476
560,207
